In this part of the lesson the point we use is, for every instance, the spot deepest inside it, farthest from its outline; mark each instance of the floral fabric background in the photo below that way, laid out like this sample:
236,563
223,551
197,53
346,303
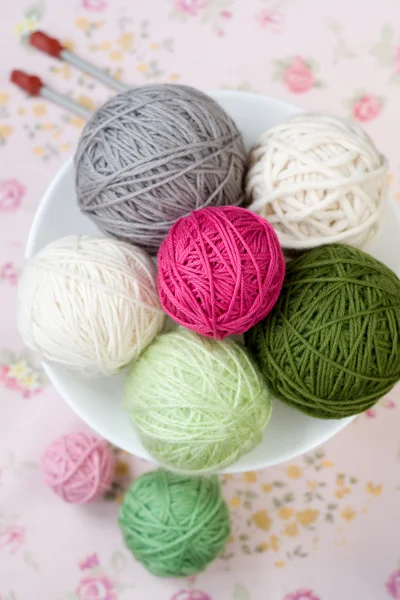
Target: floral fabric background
322,527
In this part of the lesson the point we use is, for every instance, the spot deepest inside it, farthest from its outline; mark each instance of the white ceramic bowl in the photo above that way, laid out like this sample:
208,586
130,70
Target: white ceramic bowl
99,401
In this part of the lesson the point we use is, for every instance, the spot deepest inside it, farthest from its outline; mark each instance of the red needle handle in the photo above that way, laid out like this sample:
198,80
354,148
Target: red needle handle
29,83
46,44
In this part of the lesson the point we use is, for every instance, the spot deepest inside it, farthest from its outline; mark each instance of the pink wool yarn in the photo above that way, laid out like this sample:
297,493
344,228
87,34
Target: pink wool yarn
78,467
220,271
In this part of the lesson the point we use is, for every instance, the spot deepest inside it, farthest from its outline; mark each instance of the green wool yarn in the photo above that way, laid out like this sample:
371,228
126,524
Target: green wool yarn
174,525
197,403
331,345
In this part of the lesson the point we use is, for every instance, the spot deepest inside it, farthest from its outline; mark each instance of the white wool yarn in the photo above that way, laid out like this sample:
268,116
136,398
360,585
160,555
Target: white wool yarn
318,179
89,304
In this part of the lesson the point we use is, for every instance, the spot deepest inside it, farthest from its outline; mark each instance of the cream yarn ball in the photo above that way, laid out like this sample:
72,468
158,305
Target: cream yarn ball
318,179
89,304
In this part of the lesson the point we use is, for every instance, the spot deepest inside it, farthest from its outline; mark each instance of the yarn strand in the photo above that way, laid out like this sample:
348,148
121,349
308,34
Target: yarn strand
197,404
318,179
174,525
153,154
220,270
89,304
331,345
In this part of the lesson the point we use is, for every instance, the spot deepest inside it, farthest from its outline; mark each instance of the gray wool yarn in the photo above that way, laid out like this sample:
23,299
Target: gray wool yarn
153,154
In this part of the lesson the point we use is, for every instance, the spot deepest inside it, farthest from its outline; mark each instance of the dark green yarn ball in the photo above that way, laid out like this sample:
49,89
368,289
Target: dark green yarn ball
331,345
174,525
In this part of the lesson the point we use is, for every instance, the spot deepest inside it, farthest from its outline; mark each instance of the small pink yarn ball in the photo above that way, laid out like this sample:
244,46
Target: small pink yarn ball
220,271
78,467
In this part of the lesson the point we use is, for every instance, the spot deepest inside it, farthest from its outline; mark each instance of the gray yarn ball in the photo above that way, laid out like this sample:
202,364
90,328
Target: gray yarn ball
153,154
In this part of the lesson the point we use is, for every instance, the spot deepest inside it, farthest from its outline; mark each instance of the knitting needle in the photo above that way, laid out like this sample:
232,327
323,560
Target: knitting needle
53,47
34,86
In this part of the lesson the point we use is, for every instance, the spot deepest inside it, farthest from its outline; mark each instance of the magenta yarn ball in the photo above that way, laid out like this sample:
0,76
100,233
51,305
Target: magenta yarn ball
78,467
220,271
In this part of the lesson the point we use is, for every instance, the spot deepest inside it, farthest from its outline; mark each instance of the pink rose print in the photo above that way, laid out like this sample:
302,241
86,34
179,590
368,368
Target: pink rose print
189,7
367,108
271,19
96,587
393,585
226,14
371,413
9,273
302,595
298,77
191,595
97,5
10,383
89,562
11,192
12,538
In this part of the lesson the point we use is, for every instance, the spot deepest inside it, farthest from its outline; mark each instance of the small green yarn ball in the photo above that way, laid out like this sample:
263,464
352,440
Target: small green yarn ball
174,525
197,403
331,345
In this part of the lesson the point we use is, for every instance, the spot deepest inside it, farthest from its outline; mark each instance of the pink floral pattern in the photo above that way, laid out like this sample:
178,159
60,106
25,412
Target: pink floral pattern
295,519
297,74
189,7
387,51
393,585
212,12
396,61
96,587
11,193
190,595
387,402
367,107
18,375
96,5
12,538
302,595
271,19
9,273
89,562
298,77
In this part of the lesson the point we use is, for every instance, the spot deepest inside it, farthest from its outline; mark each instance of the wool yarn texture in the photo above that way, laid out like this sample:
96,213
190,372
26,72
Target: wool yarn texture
153,154
174,525
331,345
220,271
78,467
197,404
318,180
89,304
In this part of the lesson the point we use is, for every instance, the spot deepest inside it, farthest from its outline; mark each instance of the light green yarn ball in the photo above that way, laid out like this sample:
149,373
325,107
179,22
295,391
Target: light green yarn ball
197,403
174,525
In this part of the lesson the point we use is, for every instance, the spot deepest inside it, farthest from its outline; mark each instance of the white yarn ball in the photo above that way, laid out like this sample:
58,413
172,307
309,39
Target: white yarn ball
318,180
89,304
